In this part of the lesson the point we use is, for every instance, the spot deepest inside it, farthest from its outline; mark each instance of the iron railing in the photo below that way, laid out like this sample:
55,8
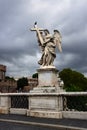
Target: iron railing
75,101
19,101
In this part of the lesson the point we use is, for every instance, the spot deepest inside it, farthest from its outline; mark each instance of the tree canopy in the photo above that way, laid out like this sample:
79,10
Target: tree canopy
22,82
35,75
73,80
9,78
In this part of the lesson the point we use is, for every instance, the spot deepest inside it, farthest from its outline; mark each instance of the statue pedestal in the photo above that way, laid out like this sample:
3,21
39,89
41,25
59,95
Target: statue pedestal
48,80
47,77
47,105
45,99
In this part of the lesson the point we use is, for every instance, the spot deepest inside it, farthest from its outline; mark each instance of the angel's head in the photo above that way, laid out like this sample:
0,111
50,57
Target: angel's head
46,31
41,32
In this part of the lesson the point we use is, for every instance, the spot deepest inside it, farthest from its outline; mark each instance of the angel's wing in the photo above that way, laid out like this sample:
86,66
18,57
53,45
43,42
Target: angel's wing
57,39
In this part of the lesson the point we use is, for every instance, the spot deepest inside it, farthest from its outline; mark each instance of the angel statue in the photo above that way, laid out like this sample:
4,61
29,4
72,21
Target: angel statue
47,43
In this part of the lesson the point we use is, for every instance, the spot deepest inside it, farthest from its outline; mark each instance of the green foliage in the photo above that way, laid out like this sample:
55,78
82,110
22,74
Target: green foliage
77,103
22,82
35,75
73,81
9,78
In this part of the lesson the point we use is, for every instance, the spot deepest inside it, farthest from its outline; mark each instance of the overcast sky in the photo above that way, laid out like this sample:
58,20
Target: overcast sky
19,49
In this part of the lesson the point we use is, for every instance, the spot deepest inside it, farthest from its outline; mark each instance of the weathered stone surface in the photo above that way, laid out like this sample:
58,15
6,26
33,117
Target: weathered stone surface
75,114
4,110
19,111
5,104
45,104
45,114
48,81
47,77
43,90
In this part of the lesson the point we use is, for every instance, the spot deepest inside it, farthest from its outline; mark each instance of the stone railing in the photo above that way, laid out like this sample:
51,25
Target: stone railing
16,103
67,104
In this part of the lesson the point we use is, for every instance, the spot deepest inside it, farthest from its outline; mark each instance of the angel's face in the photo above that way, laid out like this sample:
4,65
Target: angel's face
41,33
46,32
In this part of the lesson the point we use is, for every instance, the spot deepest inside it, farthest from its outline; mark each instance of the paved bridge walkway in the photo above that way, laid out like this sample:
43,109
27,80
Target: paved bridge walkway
21,122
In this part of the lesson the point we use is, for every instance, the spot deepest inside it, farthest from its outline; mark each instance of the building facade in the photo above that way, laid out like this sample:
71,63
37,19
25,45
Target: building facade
6,85
2,72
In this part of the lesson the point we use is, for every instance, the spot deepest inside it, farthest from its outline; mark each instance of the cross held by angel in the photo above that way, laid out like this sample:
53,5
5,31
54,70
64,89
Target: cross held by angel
47,43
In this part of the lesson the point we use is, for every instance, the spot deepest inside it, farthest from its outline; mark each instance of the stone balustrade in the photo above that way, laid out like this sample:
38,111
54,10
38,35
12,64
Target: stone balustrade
30,104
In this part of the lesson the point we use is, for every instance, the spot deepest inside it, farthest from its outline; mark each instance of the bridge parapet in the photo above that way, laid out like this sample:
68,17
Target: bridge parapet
61,105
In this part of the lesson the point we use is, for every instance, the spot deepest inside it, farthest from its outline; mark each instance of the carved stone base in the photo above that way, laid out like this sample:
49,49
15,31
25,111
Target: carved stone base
45,114
48,81
43,90
47,77
44,101
45,105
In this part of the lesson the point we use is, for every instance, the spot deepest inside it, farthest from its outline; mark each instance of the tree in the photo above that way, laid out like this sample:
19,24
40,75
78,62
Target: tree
73,80
35,75
9,78
21,83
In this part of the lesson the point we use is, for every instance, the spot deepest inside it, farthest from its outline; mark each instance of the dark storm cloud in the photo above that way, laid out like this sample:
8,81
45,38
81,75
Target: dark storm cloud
18,45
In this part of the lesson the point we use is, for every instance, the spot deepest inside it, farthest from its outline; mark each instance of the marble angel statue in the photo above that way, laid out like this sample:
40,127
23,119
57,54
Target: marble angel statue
48,43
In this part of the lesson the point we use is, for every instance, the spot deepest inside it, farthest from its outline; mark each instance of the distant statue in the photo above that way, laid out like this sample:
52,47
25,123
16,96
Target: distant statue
48,43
